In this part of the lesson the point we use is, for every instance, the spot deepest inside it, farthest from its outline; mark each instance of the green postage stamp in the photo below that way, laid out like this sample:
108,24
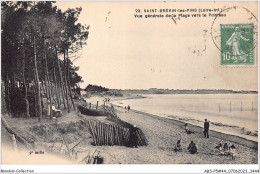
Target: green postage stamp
237,44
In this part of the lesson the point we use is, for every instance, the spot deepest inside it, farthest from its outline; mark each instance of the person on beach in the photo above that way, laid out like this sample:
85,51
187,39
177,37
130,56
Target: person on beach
232,152
128,108
125,109
219,148
56,112
133,137
178,146
206,129
187,130
226,149
192,148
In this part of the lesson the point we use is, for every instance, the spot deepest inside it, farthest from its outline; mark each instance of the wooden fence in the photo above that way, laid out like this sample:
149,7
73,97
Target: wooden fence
109,134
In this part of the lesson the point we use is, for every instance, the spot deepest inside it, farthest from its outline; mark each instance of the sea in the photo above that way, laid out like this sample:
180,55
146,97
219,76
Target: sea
235,114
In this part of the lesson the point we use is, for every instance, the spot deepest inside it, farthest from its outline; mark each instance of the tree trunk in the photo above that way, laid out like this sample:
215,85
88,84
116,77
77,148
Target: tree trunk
47,79
42,100
68,76
66,83
38,98
27,109
3,101
56,88
43,86
61,79
8,99
35,95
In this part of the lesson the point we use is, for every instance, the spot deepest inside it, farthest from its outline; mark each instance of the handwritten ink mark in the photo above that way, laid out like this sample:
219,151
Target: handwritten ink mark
107,16
174,20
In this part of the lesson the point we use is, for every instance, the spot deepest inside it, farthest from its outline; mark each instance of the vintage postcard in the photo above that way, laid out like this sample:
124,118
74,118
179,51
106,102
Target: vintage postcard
153,83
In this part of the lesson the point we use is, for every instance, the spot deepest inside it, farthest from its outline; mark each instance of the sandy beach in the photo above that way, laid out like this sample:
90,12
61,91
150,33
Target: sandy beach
162,134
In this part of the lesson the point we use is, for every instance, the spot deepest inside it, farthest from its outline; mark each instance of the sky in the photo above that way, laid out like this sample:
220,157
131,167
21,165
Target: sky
124,52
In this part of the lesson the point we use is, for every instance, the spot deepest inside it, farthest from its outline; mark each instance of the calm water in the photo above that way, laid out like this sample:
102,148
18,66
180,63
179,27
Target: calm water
235,114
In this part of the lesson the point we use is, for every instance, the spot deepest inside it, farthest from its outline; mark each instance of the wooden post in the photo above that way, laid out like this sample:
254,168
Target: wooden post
48,109
97,132
127,135
97,105
107,134
116,133
14,142
93,132
102,134
89,105
111,135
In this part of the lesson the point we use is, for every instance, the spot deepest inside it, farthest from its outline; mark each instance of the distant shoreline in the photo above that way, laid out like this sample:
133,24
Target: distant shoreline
200,91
